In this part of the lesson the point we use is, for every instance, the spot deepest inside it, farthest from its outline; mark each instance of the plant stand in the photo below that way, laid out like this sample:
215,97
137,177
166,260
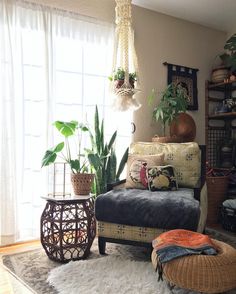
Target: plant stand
68,227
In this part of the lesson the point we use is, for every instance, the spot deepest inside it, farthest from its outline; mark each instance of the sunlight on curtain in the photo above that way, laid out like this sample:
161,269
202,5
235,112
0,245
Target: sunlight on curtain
54,66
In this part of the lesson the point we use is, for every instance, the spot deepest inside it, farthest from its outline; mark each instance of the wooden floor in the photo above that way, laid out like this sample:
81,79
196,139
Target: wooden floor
8,283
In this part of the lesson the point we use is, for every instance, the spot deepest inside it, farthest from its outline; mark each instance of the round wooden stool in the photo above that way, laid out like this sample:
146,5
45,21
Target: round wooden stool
203,273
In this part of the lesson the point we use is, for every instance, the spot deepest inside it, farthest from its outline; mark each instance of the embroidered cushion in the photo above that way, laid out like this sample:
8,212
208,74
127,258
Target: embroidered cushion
161,178
185,157
136,169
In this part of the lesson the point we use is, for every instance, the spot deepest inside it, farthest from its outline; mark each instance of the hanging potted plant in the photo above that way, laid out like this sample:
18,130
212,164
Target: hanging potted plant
81,179
119,77
174,100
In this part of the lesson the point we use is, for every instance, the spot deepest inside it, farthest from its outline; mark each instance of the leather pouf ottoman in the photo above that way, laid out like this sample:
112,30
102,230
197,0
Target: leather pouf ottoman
203,273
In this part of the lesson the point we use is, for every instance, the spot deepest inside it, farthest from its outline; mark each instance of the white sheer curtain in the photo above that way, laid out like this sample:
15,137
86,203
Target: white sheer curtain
53,65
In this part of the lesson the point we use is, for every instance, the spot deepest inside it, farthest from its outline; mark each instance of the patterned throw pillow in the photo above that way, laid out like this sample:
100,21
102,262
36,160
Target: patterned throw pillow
161,178
185,157
136,169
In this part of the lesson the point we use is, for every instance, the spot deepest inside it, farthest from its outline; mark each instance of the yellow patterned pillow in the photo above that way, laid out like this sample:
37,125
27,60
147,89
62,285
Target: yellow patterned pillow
185,157
136,169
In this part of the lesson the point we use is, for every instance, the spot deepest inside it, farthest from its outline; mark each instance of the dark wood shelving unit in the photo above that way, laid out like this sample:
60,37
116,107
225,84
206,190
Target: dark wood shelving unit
222,86
223,115
215,134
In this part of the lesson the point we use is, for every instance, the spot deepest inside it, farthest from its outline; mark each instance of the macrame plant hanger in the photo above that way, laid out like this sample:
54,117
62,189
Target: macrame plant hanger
124,60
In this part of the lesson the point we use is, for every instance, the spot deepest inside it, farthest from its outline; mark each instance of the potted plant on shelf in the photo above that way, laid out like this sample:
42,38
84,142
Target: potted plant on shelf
119,77
81,179
227,68
229,57
174,100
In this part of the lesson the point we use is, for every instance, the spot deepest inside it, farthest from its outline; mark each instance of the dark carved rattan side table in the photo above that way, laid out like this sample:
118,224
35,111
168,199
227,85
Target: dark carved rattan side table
68,227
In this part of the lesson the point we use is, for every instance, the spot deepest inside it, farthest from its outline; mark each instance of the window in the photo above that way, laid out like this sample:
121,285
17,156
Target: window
58,70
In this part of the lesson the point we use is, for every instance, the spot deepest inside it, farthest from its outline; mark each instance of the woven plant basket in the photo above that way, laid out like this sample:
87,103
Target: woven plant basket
203,273
216,191
82,183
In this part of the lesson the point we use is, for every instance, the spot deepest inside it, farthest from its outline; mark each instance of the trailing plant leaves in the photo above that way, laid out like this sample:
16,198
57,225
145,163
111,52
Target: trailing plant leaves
66,128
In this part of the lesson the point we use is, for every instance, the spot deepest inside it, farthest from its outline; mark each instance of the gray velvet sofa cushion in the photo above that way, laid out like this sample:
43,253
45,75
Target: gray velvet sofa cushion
164,210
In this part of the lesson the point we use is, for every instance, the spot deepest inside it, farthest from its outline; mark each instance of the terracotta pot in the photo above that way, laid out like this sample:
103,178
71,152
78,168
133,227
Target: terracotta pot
82,183
119,83
183,127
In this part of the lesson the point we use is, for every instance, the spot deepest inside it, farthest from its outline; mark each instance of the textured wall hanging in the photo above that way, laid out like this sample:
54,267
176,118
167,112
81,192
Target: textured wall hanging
187,78
125,66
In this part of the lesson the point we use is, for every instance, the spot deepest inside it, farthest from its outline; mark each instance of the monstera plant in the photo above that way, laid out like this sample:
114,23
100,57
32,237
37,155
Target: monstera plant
80,177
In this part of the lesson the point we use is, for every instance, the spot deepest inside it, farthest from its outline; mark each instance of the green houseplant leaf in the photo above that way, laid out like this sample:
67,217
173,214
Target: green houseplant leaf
173,100
66,128
51,155
102,156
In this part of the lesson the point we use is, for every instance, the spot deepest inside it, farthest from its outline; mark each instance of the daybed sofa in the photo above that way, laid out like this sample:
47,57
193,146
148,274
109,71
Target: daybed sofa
131,214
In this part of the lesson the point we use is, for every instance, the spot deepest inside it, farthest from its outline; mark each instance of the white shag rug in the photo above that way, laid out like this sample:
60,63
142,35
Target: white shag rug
111,275
106,275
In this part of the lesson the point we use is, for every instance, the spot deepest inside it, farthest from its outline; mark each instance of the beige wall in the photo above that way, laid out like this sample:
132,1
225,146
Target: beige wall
159,38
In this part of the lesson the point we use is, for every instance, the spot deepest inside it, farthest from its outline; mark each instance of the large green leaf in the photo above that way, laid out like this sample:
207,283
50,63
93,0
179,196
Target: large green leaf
97,130
122,164
51,154
95,161
112,140
49,157
66,128
59,147
75,165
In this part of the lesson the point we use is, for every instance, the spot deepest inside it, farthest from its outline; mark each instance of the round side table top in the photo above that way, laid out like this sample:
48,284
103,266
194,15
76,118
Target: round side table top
68,198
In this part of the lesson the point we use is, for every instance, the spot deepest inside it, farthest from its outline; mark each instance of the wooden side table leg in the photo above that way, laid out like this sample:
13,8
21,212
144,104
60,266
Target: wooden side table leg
102,245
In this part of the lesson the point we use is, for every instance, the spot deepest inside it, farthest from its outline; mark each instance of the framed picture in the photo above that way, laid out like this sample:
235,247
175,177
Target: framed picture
187,78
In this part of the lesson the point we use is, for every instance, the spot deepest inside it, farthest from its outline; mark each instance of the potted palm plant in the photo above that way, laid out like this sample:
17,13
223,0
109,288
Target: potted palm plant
174,100
80,177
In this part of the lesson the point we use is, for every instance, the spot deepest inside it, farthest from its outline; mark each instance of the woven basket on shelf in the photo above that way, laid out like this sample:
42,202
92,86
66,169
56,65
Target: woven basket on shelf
203,273
82,183
219,74
216,192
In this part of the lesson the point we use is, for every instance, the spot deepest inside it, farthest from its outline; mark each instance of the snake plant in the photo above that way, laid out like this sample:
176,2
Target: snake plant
102,156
